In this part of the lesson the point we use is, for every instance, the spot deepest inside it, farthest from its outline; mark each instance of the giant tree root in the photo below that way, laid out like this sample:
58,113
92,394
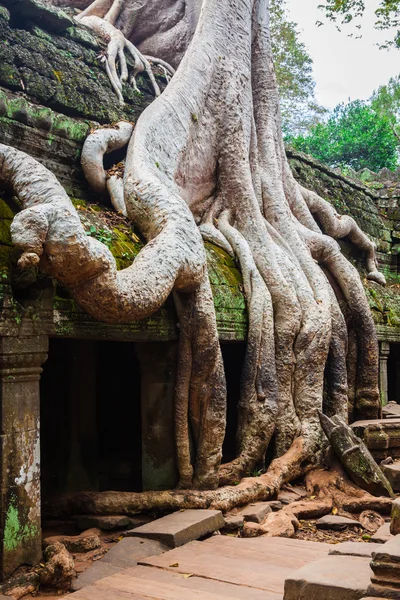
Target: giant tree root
250,489
336,484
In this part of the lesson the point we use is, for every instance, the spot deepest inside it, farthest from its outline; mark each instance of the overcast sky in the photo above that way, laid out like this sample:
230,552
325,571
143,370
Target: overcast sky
344,67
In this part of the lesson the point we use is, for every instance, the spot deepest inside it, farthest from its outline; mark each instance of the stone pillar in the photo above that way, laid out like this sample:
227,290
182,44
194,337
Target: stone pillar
383,371
158,375
20,528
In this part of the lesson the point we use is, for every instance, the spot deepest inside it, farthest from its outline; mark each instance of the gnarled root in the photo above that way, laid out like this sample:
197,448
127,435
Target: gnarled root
101,23
336,484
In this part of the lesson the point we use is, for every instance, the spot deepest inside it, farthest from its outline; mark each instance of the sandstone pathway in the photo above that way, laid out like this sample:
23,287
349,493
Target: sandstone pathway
218,568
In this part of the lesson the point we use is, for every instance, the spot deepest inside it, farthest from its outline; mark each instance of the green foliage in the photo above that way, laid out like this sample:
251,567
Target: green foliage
355,136
386,101
350,11
293,68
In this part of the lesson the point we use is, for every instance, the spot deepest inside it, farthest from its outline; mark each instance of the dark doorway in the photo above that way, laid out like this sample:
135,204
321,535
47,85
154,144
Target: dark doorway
233,355
90,417
394,373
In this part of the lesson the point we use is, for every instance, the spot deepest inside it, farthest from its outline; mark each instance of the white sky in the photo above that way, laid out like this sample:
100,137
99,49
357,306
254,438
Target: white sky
344,67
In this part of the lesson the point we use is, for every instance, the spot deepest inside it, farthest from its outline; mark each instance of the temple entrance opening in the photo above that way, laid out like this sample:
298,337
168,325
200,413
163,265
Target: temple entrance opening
90,417
394,373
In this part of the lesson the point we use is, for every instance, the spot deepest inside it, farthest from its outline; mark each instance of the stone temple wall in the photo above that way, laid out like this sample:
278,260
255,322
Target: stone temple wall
53,89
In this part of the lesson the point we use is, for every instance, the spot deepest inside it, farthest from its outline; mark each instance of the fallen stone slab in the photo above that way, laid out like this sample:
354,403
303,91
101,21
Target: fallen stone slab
334,577
354,549
233,522
256,512
130,550
391,410
181,527
392,472
289,495
98,570
336,523
275,504
383,534
312,509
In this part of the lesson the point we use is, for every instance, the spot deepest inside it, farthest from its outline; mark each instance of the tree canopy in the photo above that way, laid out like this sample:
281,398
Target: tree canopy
350,11
294,72
356,135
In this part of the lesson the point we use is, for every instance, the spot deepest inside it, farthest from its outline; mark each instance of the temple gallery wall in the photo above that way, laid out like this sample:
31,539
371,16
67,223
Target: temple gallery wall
89,406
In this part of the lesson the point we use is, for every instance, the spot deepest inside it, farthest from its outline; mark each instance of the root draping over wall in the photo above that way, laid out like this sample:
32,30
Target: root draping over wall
206,158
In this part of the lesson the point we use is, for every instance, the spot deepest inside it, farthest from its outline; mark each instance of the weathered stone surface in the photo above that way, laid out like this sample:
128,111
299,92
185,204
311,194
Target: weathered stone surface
392,472
395,517
333,578
251,530
312,509
78,543
371,521
275,505
47,16
386,567
354,549
355,457
391,410
95,572
233,522
358,505
181,527
278,524
382,436
130,550
383,534
336,523
288,495
256,512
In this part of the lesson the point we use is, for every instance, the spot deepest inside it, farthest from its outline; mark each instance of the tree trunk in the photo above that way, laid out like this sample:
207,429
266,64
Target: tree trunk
208,156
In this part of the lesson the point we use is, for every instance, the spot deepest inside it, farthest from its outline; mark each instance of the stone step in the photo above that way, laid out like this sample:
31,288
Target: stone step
181,527
334,577
125,554
355,549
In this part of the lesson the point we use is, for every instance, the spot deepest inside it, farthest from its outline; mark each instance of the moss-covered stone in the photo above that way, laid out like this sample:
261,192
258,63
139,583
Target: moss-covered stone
61,69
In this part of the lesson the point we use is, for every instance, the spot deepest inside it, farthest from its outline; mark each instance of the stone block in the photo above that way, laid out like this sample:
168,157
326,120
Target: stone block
395,517
181,527
233,522
130,550
354,549
392,472
336,523
382,436
383,534
334,577
312,509
256,512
